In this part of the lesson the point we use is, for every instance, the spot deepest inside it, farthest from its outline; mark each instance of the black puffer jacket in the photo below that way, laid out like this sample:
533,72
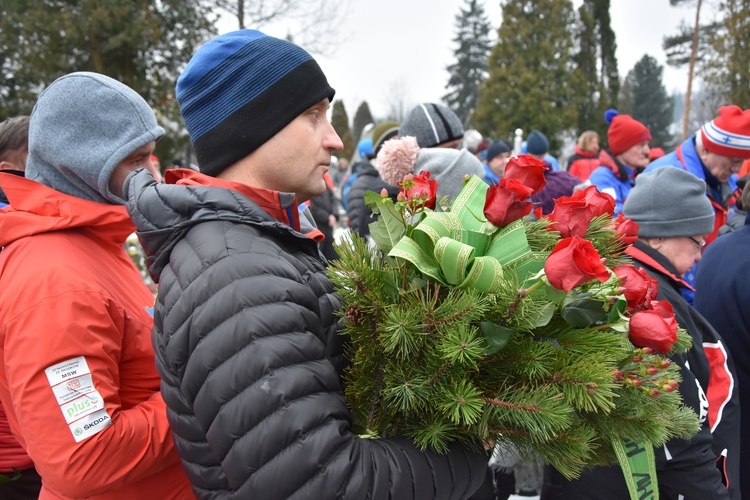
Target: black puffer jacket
247,347
360,215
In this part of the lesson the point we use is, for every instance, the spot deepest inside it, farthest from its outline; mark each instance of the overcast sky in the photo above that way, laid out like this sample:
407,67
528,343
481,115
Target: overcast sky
404,46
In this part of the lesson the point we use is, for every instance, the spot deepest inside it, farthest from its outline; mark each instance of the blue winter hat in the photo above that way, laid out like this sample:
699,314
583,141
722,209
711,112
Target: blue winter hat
537,143
240,89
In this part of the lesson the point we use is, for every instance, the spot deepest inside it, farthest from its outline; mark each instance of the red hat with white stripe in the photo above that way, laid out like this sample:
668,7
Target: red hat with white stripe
729,133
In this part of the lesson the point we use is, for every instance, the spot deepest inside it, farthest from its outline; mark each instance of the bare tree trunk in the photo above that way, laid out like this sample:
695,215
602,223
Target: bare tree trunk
691,68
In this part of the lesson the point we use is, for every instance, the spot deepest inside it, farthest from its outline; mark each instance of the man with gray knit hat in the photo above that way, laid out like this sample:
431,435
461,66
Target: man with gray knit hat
434,126
673,214
246,322
77,374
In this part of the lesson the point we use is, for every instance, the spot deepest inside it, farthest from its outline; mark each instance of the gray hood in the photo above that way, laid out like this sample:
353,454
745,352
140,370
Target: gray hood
82,126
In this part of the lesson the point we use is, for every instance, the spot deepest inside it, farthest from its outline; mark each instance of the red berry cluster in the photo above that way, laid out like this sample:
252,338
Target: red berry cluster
645,371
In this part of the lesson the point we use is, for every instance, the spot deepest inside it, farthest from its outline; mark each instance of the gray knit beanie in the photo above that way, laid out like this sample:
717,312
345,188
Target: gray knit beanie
432,125
449,167
82,126
669,202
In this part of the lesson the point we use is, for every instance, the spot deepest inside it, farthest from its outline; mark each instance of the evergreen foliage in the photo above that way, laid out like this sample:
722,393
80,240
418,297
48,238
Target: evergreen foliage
472,30
652,106
532,83
362,117
143,43
439,358
340,123
728,74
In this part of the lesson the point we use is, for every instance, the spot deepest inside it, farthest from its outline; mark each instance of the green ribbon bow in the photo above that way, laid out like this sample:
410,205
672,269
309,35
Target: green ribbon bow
455,248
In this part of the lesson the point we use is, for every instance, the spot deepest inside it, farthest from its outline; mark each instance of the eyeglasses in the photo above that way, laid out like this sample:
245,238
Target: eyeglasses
699,244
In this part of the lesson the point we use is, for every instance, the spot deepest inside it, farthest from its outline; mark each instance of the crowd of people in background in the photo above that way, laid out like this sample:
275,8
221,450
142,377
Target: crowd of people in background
105,394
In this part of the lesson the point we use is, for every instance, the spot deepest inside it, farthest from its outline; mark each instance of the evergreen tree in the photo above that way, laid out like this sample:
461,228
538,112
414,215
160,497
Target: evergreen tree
143,43
652,106
596,65
610,76
531,68
728,74
470,69
361,118
340,122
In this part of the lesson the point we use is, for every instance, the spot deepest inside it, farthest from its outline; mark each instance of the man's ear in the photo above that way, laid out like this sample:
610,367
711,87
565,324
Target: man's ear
5,165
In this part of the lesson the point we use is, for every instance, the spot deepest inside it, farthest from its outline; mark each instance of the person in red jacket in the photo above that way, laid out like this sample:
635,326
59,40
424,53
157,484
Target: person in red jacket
586,157
77,371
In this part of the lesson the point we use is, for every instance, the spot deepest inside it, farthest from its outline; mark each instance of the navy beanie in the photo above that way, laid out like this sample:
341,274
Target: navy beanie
240,89
496,148
537,143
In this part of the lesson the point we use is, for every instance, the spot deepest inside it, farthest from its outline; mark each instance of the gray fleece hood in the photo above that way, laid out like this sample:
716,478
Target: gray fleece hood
82,126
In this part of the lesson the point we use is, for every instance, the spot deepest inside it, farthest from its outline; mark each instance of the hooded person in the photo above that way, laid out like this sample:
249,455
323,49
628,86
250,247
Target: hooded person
449,167
77,373
627,156
433,125
246,323
673,217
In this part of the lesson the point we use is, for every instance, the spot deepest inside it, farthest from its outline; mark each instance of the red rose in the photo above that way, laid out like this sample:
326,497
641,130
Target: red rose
419,190
655,328
505,202
572,262
572,214
640,288
627,230
527,170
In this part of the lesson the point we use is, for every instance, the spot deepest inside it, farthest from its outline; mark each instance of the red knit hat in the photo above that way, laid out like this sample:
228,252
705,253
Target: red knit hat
624,132
729,133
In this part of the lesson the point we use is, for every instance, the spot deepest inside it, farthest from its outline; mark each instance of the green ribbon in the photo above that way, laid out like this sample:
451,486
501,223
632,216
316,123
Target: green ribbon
455,248
639,468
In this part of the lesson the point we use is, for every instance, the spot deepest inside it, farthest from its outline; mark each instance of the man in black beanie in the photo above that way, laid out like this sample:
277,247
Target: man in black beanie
246,331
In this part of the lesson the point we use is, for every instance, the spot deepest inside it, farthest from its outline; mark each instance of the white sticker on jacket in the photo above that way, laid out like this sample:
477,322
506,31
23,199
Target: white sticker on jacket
66,370
90,425
73,388
82,406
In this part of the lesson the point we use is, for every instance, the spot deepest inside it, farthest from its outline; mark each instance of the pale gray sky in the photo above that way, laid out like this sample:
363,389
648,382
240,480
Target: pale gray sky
404,46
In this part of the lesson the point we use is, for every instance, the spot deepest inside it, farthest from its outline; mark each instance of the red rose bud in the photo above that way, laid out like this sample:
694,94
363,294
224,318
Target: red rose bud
652,371
665,363
384,193
652,329
648,350
654,392
528,171
640,288
572,214
627,230
673,383
505,202
420,190
617,374
637,358
667,388
572,262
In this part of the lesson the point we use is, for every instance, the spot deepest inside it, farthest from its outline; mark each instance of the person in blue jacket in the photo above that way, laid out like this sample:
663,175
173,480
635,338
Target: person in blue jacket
627,156
715,155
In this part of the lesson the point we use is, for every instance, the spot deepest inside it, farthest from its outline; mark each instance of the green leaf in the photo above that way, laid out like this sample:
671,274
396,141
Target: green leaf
618,310
582,313
389,228
545,315
497,336
374,200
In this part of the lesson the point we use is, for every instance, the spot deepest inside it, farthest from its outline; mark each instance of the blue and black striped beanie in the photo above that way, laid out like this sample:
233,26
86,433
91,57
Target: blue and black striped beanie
240,89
